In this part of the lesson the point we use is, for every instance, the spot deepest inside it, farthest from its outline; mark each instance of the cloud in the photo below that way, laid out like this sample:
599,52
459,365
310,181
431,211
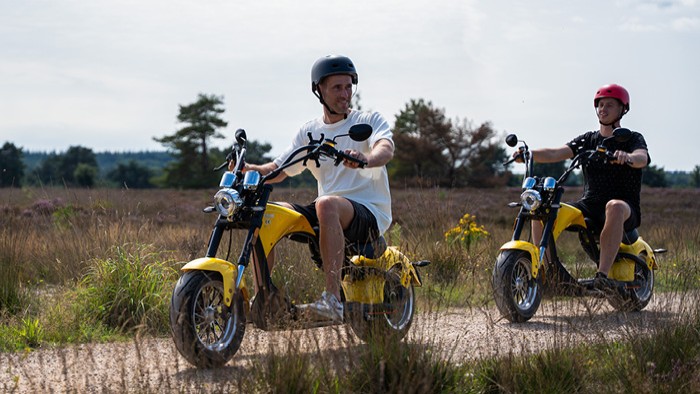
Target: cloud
637,25
686,24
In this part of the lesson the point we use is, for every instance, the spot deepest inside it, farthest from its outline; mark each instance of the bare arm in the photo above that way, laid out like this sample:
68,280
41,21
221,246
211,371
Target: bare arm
552,155
382,152
636,159
263,169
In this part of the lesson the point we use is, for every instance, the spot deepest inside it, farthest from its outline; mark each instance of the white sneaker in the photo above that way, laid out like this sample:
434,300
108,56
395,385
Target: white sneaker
328,307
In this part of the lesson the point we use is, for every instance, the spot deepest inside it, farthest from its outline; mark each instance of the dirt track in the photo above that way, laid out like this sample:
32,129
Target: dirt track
153,364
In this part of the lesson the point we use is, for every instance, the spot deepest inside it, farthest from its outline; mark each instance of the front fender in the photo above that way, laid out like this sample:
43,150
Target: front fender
526,247
227,270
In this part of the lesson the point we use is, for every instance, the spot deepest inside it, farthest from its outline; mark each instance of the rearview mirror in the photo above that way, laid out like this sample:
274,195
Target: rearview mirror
512,140
360,132
622,134
241,137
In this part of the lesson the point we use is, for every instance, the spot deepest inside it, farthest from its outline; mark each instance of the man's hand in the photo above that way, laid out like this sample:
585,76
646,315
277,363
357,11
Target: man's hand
518,155
232,166
357,155
623,158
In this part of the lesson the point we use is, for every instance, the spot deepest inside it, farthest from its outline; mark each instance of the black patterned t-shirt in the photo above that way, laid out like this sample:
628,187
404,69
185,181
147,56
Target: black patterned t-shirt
604,181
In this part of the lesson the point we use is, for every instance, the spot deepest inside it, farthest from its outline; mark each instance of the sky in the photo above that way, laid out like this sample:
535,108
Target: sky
110,74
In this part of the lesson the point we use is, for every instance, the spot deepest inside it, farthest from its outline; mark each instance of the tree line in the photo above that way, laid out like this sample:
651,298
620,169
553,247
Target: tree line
431,150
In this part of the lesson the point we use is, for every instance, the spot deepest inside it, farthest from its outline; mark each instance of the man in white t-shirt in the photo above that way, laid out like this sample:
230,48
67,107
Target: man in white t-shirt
353,204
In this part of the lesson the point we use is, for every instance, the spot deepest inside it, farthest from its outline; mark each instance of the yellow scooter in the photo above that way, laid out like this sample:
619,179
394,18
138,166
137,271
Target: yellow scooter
524,271
211,302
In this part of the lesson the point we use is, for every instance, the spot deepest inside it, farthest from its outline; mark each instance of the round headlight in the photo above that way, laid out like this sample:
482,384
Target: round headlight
531,199
227,202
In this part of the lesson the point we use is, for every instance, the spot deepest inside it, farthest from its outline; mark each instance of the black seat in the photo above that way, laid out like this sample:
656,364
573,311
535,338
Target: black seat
370,250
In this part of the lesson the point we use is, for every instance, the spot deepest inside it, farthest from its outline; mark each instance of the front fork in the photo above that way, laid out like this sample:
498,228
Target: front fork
231,274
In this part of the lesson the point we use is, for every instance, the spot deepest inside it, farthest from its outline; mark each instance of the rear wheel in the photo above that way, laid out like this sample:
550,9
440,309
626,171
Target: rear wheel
393,320
206,332
636,299
516,292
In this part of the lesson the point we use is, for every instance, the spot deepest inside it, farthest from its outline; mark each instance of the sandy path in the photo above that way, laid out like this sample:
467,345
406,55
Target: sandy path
153,364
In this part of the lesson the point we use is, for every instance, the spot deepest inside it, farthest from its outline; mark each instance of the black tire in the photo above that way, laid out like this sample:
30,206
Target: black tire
516,292
634,300
367,324
204,331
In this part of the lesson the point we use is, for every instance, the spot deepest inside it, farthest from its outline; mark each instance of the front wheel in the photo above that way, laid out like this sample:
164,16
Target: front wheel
206,332
395,318
516,292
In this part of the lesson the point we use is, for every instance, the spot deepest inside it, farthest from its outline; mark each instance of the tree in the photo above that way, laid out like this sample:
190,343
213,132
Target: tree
77,156
85,175
190,144
654,176
63,168
131,175
695,176
11,165
431,149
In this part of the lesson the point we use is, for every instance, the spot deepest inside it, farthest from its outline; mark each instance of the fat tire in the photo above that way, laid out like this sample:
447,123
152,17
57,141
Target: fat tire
516,292
368,326
194,290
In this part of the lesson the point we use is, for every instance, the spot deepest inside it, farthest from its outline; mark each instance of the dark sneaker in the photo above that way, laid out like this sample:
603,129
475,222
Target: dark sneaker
328,307
602,282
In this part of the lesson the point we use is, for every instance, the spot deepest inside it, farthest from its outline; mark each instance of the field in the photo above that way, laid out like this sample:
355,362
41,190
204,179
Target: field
96,267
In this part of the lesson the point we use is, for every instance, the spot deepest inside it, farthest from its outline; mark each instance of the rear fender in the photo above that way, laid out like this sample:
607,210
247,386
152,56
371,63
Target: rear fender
392,256
641,247
526,247
227,270
370,289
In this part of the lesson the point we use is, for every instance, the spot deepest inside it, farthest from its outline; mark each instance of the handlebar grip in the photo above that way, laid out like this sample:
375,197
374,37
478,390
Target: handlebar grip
344,156
516,157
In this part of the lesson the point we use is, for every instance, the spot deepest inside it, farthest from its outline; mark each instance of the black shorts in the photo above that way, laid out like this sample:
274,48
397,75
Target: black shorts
596,212
362,229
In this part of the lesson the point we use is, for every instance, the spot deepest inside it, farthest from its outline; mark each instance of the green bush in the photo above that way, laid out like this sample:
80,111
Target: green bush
129,290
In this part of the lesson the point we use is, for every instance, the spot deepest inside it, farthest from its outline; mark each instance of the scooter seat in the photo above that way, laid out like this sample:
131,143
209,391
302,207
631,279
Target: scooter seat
370,250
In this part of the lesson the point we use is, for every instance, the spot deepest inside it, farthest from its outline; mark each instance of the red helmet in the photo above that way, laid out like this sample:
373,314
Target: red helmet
614,91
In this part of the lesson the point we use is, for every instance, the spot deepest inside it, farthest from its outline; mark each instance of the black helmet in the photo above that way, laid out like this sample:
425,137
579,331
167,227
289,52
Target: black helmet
331,65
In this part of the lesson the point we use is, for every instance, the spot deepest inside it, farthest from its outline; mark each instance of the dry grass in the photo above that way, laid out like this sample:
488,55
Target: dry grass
51,239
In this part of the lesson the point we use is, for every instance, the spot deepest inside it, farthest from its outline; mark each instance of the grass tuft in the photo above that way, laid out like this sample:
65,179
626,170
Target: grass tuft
129,290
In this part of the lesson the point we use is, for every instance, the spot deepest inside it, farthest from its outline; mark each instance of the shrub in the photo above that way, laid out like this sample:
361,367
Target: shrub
129,290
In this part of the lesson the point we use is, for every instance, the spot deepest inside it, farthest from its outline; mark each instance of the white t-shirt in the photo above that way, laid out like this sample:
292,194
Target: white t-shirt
367,186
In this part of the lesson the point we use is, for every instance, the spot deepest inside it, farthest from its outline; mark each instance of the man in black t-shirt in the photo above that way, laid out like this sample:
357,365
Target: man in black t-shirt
612,189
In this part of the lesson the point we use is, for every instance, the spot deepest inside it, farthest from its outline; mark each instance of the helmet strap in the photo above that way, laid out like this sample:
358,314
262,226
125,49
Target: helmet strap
322,101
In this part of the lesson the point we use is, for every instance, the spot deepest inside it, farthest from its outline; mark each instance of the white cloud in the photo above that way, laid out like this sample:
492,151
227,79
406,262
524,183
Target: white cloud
686,24
636,25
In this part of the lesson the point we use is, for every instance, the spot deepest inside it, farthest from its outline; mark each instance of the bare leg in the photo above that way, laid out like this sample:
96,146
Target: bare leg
616,213
334,214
